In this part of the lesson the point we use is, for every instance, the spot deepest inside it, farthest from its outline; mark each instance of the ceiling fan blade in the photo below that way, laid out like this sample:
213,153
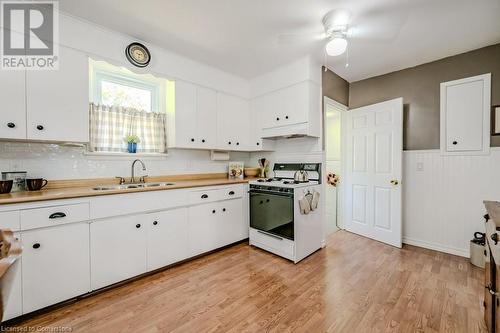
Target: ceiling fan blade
304,38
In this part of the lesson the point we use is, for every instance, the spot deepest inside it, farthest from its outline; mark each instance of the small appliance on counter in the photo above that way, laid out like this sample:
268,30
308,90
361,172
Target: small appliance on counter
18,178
284,215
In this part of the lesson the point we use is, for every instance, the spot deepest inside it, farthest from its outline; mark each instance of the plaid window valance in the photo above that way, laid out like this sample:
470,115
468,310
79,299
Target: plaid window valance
109,125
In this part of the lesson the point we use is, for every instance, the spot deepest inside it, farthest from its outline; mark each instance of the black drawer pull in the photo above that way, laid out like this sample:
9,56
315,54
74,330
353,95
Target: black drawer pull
237,143
277,118
455,143
258,144
36,245
494,237
204,196
223,209
39,127
137,225
155,222
229,142
267,200
192,140
11,125
203,140
231,193
213,211
286,117
58,215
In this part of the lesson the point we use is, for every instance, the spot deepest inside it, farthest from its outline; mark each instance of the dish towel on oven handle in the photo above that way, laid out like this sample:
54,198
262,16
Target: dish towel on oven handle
315,200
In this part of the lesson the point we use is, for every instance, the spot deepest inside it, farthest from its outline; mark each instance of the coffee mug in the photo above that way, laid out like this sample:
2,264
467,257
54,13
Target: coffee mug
6,186
35,184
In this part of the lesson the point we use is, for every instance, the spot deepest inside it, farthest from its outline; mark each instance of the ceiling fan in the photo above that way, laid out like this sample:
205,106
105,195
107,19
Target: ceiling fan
336,23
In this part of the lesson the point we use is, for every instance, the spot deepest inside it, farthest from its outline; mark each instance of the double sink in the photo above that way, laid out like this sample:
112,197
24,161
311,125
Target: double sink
129,186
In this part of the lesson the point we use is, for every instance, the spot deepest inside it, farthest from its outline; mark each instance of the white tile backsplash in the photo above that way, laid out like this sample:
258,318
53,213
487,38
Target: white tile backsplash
53,161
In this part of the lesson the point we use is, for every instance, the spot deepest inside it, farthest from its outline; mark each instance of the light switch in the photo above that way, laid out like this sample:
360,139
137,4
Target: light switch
420,166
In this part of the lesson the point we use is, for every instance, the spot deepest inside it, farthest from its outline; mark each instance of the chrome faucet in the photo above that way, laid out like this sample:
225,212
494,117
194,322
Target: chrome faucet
142,179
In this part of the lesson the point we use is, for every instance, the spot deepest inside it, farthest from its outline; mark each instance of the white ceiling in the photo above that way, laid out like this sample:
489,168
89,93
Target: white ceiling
251,37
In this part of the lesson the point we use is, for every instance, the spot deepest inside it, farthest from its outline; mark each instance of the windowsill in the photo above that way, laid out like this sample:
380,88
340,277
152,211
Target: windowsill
126,156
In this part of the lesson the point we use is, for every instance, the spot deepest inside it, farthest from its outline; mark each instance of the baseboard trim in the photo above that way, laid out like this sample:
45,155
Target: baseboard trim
437,247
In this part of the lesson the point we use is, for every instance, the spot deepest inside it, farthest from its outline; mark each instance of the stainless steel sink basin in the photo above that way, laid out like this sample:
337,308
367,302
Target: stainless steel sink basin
129,186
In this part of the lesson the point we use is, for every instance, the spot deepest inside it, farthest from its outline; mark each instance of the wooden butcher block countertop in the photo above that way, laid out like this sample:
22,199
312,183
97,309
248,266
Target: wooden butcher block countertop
493,227
67,189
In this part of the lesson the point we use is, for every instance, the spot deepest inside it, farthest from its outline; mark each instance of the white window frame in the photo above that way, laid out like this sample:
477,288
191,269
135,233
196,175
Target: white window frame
102,71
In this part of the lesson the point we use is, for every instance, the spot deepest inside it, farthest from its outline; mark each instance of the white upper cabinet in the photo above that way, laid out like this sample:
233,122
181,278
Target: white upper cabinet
294,110
57,101
193,123
465,115
13,110
233,119
256,141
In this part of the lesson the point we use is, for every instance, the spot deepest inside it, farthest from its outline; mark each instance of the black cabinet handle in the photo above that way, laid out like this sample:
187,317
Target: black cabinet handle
267,200
39,127
36,245
258,144
58,215
277,118
213,211
155,222
203,140
237,143
223,209
204,196
261,202
11,125
494,237
137,225
455,143
231,193
192,140
229,142
286,117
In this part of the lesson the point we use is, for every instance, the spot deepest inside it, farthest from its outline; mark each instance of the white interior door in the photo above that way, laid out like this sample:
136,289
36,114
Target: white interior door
373,171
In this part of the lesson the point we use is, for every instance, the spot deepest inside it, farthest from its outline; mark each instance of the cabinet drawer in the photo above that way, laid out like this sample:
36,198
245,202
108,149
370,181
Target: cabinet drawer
277,244
10,220
200,196
231,192
56,215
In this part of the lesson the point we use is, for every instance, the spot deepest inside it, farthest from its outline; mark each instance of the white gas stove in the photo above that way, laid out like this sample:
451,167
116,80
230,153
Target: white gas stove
277,222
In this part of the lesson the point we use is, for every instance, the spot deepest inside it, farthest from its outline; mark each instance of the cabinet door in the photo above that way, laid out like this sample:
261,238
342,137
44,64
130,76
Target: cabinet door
185,115
204,235
231,224
233,117
168,240
488,284
14,307
294,104
58,100
117,249
270,107
206,118
55,265
465,114
13,110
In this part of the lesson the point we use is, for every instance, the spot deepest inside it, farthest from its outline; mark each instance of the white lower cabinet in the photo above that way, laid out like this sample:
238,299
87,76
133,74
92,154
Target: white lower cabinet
14,307
167,238
216,224
55,265
117,249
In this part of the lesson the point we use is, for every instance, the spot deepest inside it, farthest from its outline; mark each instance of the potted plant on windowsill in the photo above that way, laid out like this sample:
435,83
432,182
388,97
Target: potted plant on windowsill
132,141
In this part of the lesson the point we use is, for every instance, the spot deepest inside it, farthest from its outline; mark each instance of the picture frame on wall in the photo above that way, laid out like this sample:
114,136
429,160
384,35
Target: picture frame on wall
495,124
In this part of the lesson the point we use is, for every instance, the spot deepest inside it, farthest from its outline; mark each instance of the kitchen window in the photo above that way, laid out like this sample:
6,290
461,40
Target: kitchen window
125,106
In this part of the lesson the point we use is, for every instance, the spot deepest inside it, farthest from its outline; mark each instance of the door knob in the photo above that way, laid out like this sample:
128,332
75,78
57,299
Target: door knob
394,182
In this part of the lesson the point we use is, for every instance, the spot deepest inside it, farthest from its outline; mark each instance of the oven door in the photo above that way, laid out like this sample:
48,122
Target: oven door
272,213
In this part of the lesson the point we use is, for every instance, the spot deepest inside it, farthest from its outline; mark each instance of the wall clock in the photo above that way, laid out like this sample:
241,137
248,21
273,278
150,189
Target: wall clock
138,54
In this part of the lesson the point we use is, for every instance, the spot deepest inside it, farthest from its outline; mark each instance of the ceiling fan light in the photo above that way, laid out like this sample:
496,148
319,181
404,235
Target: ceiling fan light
336,46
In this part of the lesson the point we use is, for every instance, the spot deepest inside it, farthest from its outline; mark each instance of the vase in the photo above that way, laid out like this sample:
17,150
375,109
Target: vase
132,147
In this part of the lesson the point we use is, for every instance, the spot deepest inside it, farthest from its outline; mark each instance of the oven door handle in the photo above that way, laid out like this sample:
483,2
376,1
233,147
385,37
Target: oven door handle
290,195
270,235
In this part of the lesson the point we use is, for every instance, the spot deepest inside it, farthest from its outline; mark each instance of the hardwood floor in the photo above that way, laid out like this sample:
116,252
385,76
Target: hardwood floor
353,285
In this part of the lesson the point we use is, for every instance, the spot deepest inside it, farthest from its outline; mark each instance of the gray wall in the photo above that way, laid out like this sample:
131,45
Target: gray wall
419,87
335,87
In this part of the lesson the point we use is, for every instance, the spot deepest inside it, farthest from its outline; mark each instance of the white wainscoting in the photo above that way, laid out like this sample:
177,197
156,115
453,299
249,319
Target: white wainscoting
443,198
